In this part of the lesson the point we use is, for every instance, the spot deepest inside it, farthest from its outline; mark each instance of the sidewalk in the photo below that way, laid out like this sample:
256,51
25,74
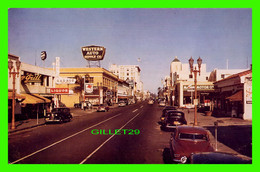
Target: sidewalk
229,132
31,123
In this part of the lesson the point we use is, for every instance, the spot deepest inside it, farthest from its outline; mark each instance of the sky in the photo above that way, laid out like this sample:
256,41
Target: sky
155,36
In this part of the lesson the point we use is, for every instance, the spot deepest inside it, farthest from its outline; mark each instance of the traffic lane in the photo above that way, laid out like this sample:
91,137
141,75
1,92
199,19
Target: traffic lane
23,143
74,149
145,148
26,142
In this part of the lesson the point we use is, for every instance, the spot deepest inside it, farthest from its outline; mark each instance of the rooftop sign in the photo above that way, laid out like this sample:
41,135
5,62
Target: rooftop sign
93,53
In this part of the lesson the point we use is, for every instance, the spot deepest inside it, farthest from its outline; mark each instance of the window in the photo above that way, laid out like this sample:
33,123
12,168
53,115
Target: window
190,76
207,78
222,76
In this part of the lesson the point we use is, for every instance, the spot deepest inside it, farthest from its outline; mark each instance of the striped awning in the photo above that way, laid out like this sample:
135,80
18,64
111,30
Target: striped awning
17,96
34,99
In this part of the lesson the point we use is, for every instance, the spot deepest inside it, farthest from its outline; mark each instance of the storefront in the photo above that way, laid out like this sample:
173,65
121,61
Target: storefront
95,85
234,96
185,93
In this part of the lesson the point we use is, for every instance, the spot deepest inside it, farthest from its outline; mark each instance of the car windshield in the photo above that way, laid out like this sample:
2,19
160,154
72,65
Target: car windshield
194,137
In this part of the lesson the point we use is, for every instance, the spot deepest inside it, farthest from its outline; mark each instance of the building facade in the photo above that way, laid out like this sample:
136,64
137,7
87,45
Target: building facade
234,95
183,84
130,73
100,86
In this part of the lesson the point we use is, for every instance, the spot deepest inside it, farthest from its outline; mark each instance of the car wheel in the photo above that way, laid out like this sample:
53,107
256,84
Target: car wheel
184,159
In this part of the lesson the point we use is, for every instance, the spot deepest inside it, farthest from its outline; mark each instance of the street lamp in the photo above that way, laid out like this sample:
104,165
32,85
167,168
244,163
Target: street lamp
14,73
195,71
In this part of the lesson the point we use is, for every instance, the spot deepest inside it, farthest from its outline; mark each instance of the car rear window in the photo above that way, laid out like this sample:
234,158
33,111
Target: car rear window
192,136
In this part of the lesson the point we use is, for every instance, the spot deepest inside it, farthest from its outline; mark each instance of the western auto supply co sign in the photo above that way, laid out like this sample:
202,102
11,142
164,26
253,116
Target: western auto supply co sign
93,53
59,90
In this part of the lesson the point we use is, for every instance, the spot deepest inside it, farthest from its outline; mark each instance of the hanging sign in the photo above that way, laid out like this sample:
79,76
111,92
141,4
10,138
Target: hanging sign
61,80
89,87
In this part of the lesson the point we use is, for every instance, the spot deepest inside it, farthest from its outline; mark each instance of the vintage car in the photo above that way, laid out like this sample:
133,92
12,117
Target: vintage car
166,109
187,140
219,158
102,108
60,115
121,103
162,103
172,119
150,102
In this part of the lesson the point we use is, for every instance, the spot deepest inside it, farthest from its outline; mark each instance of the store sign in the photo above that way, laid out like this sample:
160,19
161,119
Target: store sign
199,87
89,87
93,53
31,78
248,84
59,90
61,80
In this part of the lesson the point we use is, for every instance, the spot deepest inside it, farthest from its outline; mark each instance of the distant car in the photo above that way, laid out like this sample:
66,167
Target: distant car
102,108
150,102
173,119
162,103
219,158
121,103
187,140
60,115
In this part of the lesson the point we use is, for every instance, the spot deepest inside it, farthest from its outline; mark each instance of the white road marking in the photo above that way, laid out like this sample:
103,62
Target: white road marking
63,139
82,162
135,110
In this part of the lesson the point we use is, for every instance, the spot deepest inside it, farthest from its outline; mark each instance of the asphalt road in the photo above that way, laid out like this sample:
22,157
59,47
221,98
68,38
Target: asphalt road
140,141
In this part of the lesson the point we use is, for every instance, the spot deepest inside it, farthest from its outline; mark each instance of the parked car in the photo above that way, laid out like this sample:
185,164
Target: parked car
162,103
121,103
150,102
172,119
102,108
187,140
219,158
61,115
164,111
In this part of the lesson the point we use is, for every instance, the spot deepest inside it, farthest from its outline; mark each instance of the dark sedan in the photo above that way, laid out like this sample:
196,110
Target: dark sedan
172,119
187,140
61,114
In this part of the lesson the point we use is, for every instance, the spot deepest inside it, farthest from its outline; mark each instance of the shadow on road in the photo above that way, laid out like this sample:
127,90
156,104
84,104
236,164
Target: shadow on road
167,156
238,138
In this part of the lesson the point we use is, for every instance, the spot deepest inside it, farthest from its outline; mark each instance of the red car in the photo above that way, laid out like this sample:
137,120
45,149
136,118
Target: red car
187,140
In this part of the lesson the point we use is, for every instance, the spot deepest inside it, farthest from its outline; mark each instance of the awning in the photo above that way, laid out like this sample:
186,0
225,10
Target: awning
34,99
238,96
17,96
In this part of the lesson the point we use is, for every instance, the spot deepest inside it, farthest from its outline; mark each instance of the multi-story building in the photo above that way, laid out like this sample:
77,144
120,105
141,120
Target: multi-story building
130,73
33,89
183,84
101,86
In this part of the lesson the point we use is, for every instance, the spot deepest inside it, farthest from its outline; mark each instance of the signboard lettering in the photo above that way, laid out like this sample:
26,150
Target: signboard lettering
199,87
93,53
59,90
61,80
31,78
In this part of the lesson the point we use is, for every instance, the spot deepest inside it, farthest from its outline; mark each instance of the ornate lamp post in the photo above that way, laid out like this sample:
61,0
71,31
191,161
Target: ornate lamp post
195,71
14,73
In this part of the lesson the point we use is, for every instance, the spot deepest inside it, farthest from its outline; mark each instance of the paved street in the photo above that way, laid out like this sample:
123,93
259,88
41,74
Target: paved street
78,142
